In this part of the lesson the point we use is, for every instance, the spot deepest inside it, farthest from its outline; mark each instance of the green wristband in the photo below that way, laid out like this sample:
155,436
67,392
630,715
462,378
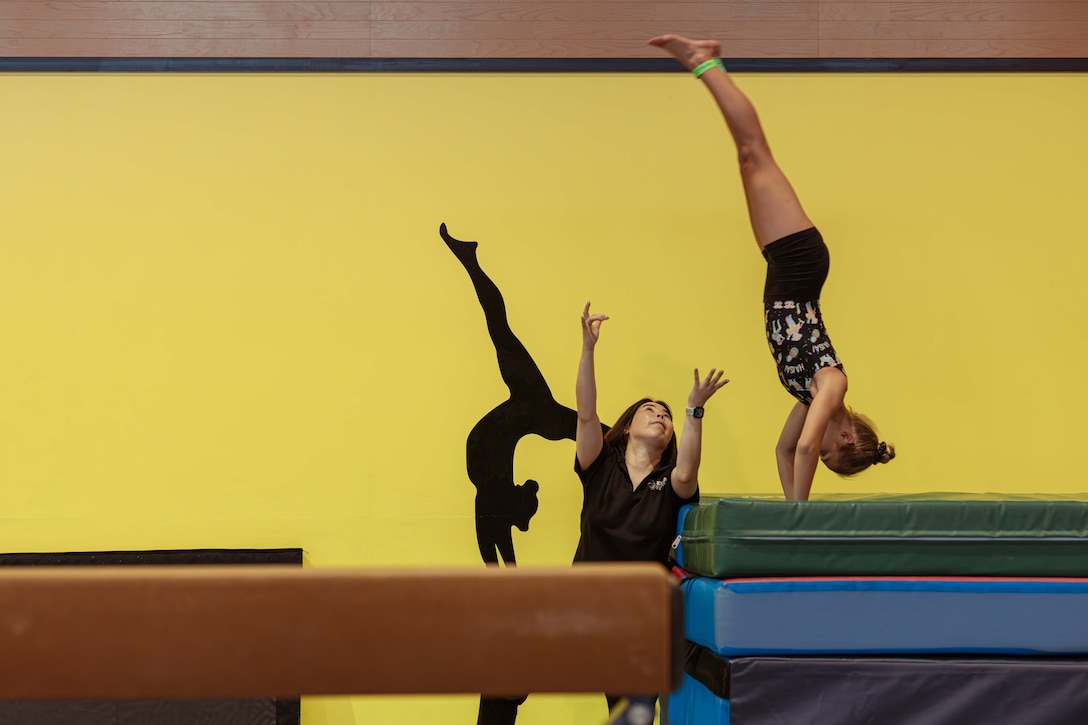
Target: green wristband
707,65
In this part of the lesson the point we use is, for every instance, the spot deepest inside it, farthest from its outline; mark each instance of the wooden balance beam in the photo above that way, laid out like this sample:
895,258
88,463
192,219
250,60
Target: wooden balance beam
224,631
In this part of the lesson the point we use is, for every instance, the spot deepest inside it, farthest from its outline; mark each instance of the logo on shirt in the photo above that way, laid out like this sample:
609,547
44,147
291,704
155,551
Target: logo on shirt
658,485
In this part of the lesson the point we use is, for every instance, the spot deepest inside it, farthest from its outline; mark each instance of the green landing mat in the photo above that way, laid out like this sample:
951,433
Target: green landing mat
937,534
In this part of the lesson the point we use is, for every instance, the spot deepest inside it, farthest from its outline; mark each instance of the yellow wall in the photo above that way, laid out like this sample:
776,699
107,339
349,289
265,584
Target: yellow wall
228,320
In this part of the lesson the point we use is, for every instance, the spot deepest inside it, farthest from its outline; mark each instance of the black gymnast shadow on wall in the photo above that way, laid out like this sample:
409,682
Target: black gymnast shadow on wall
500,503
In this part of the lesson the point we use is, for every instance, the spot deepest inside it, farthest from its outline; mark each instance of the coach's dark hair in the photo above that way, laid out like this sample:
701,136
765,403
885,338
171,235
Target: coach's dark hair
616,436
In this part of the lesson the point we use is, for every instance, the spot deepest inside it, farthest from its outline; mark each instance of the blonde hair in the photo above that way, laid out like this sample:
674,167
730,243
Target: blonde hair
866,450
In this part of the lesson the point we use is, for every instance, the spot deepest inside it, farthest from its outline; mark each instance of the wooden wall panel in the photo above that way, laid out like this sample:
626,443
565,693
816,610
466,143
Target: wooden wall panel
171,10
183,48
976,12
489,48
558,33
556,29
597,13
951,48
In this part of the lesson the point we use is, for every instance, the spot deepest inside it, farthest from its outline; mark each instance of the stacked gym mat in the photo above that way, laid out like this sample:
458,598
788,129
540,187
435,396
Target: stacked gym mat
938,608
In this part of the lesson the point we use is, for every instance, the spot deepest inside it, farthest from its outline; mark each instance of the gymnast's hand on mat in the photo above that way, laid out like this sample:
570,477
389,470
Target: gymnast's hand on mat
703,389
591,328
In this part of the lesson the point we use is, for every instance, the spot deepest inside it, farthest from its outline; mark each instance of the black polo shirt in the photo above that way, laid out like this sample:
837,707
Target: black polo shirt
625,523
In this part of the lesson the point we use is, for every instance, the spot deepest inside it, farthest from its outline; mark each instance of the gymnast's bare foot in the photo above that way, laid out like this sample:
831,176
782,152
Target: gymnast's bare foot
689,52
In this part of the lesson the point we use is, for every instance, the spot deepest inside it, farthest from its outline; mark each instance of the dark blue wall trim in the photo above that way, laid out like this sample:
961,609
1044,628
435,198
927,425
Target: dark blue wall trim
538,65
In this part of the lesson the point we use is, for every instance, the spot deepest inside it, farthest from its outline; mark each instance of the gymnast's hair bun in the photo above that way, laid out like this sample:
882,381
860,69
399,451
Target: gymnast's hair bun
884,453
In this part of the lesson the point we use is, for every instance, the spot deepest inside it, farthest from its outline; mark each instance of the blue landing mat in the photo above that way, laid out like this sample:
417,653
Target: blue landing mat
888,615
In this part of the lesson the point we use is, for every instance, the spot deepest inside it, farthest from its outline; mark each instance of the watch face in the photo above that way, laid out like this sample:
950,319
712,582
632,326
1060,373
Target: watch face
696,412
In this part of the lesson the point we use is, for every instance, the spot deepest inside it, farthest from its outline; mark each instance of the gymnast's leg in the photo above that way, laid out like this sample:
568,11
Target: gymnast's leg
773,207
